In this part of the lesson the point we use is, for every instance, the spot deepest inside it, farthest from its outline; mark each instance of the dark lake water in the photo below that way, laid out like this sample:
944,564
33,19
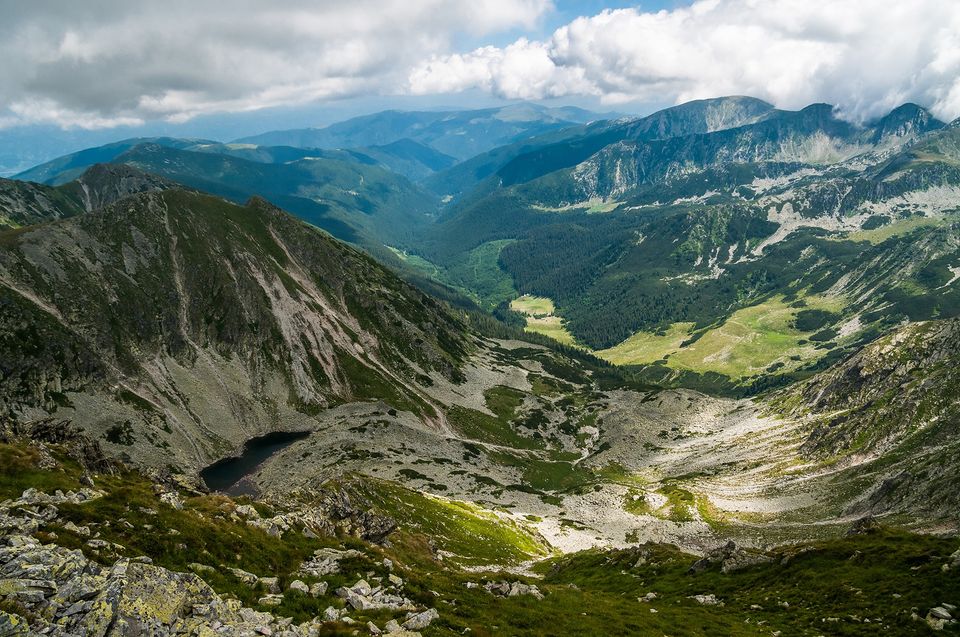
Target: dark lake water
225,474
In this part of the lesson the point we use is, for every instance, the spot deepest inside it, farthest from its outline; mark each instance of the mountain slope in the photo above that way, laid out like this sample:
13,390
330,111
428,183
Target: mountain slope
347,193
67,168
537,156
811,136
889,417
189,324
730,258
23,203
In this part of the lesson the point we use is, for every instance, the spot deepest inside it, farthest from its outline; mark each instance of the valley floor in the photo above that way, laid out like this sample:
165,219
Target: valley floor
582,468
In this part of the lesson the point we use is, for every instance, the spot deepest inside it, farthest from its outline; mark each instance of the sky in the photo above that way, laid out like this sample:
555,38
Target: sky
225,68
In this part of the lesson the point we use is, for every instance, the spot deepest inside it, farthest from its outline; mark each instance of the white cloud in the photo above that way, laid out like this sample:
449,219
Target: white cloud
116,62
865,56
105,63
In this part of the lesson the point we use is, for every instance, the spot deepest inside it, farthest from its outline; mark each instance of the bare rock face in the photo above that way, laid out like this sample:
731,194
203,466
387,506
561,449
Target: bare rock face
890,388
355,517
105,184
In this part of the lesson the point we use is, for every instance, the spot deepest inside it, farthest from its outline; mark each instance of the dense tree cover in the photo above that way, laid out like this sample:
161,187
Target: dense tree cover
613,275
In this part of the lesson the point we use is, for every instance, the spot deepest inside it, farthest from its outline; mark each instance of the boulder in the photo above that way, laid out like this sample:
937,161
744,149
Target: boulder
172,499
272,584
863,526
270,600
246,577
730,557
707,600
939,612
422,620
247,511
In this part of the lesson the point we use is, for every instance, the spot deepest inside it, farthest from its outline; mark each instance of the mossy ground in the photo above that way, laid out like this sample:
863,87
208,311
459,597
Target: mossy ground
473,535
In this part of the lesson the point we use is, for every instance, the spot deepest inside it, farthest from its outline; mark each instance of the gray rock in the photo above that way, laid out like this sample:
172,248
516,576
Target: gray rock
247,511
731,558
512,589
422,620
12,625
172,499
272,584
358,602
319,589
331,614
939,612
953,561
199,569
246,577
298,585
270,600
707,600
79,530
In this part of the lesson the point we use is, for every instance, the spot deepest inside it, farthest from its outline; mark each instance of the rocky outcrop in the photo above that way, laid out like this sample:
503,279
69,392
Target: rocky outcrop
104,184
890,414
63,593
333,511
893,387
59,591
730,558
70,438
504,588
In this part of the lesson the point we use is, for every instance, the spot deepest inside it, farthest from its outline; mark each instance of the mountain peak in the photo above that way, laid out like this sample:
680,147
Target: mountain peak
906,120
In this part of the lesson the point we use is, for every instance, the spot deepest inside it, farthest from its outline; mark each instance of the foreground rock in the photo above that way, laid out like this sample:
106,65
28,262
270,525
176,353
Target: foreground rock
52,590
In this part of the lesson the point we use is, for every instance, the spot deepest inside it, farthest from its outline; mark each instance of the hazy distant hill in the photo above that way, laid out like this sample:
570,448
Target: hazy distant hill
460,134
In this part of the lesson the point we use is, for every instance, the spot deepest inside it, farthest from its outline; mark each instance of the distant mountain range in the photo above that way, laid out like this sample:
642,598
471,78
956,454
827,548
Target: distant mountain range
459,134
650,236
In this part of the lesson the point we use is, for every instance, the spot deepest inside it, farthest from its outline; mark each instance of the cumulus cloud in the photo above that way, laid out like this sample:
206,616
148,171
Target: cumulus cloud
102,63
864,56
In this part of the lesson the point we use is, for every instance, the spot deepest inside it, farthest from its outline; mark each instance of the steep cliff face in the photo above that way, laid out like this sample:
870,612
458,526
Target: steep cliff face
195,323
